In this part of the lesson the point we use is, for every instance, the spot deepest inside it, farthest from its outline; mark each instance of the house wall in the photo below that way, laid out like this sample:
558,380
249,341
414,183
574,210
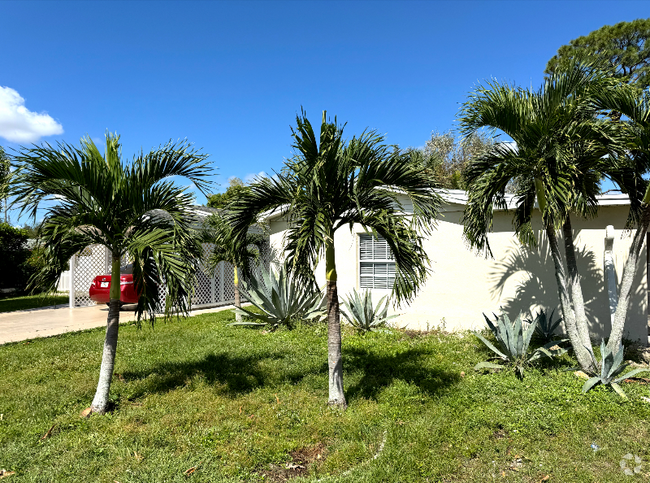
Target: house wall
462,285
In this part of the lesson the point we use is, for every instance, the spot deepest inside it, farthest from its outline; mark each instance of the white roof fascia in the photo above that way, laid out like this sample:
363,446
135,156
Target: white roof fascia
459,198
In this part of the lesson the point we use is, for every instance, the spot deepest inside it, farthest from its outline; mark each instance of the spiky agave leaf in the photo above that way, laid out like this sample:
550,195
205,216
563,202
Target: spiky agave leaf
362,314
591,383
281,298
611,367
514,342
492,347
487,365
545,325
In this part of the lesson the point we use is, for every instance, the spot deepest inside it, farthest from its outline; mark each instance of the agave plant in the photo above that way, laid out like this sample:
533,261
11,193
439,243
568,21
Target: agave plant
611,367
281,299
514,342
546,327
362,314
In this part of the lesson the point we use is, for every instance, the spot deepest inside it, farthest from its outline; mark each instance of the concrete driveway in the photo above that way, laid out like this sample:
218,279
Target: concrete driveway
30,324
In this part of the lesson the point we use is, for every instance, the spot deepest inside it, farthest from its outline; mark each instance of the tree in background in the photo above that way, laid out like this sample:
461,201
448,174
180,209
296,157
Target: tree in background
240,252
235,188
622,49
13,257
132,209
445,158
329,184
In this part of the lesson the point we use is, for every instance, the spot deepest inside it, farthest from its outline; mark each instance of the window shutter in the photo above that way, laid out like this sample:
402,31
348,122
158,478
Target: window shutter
377,268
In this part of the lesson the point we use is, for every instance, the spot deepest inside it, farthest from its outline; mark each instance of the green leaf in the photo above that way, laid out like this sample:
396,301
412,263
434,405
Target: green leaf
618,390
590,384
632,373
491,346
487,365
248,324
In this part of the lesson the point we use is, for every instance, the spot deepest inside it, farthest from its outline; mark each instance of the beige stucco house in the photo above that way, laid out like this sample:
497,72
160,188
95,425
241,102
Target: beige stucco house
464,284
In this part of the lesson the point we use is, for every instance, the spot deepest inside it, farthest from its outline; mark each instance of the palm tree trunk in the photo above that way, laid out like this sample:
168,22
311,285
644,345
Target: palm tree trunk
584,359
627,281
334,357
238,317
100,401
574,283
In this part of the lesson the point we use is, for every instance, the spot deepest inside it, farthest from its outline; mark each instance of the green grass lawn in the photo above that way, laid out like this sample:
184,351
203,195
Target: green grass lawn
10,304
231,404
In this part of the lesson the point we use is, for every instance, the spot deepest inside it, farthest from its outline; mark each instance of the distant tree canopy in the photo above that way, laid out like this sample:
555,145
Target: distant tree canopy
236,188
622,49
446,158
13,255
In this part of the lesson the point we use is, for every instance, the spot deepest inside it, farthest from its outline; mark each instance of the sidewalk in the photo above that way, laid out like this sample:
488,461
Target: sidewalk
30,324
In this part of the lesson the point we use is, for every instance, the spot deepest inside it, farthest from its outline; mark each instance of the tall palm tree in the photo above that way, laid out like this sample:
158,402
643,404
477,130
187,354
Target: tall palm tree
329,184
238,251
634,162
558,161
132,209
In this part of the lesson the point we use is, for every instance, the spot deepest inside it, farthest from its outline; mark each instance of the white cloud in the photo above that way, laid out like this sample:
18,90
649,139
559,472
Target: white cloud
511,144
20,125
252,177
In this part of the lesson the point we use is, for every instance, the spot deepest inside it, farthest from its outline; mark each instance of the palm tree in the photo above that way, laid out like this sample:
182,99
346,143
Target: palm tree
329,184
239,252
132,209
634,162
558,161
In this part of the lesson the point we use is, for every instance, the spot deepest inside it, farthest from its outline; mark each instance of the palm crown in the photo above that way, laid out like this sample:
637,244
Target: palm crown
133,210
329,184
557,158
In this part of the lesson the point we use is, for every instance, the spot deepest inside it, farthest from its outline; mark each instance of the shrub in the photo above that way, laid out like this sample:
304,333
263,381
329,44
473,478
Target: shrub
545,327
611,367
514,343
362,314
14,253
281,299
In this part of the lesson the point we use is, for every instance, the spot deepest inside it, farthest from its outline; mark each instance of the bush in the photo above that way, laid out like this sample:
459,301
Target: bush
14,270
362,314
282,300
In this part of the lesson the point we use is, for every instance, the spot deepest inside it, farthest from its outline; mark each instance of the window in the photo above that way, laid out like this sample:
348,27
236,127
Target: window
377,269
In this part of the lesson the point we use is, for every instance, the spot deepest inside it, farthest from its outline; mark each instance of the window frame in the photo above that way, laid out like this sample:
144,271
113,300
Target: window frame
388,278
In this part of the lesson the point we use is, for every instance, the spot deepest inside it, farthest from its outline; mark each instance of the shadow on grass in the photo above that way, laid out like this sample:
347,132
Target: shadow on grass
239,374
380,371
243,374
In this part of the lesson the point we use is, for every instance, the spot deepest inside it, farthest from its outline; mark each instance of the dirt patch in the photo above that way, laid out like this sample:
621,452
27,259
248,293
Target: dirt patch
299,465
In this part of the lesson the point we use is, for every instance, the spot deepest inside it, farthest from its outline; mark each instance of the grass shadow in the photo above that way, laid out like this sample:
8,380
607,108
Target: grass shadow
380,371
238,374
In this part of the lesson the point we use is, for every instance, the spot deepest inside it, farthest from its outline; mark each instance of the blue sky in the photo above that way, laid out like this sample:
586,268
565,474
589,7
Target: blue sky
231,76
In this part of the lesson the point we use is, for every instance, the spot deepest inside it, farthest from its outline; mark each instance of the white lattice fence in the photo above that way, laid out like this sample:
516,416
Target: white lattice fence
211,289
84,267
264,263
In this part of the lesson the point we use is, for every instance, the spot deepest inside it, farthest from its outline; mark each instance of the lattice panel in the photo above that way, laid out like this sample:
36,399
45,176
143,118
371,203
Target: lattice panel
228,283
91,261
216,288
205,288
264,263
